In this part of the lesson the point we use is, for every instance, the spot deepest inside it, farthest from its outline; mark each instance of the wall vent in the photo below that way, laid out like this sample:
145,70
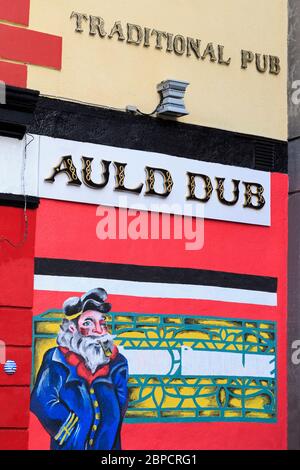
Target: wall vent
264,155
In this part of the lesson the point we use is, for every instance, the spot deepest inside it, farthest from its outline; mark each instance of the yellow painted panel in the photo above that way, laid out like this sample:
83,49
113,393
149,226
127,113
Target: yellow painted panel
232,414
172,403
258,403
178,414
114,73
210,402
141,414
190,334
253,414
49,328
209,414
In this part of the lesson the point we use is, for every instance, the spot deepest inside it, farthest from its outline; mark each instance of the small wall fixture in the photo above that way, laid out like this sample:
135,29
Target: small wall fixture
171,102
172,98
10,367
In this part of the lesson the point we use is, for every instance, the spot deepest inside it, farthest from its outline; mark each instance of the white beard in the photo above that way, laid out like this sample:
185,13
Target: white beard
88,347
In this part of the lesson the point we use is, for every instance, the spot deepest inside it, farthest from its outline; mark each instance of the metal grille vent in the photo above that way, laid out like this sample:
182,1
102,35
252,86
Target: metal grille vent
264,156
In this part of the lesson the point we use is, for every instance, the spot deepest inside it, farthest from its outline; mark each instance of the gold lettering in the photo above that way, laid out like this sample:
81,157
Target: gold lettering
262,68
179,44
208,187
193,45
79,20
247,58
221,192
274,65
147,32
160,35
137,30
210,51
97,26
117,29
169,42
120,179
221,60
150,182
66,166
87,173
249,195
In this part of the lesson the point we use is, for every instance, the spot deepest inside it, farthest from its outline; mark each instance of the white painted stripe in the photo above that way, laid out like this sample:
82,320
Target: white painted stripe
219,364
199,363
11,165
154,290
148,362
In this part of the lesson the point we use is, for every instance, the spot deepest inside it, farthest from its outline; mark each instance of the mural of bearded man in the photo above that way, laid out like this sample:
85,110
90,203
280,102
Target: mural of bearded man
80,395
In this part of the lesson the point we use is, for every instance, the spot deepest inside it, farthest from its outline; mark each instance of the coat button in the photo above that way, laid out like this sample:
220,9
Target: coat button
94,427
91,442
96,404
92,391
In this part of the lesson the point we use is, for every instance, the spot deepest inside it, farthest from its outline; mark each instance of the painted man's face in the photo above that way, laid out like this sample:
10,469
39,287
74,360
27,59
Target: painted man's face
92,323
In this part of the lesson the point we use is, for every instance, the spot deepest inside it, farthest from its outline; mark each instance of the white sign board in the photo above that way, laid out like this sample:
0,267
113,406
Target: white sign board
53,150
184,186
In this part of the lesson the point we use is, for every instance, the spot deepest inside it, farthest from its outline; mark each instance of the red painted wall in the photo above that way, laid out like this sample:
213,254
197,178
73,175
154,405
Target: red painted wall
16,298
21,46
68,230
16,11
33,47
13,74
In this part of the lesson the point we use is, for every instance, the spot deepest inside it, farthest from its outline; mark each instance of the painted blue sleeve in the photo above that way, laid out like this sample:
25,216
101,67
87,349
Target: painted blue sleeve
53,414
120,379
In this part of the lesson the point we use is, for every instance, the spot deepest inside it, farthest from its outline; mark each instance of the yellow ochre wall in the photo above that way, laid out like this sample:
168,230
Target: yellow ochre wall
113,73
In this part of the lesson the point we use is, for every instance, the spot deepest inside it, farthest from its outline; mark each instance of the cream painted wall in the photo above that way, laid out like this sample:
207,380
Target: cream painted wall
113,73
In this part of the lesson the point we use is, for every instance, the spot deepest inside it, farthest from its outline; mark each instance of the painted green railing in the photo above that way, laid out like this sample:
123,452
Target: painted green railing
176,397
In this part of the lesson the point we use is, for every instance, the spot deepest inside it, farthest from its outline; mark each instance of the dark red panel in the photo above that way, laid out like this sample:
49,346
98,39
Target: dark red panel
16,263
16,326
39,439
204,436
14,407
16,11
13,74
13,440
30,47
45,299
22,357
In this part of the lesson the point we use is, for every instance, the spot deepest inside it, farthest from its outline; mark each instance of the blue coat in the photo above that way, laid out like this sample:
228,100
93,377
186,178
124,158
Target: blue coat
78,416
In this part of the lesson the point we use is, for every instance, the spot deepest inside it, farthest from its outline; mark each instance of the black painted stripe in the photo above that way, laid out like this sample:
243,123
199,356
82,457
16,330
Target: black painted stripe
79,122
18,111
18,200
155,274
